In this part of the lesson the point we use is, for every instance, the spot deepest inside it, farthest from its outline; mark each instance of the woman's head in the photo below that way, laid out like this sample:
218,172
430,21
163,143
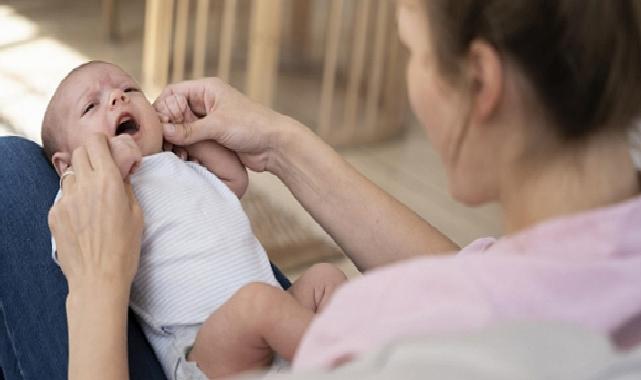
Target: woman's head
500,83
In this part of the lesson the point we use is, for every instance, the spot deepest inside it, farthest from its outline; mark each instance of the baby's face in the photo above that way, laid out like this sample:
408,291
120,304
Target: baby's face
102,98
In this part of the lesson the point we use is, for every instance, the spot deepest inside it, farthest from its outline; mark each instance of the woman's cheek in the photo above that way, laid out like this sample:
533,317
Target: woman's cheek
414,91
421,102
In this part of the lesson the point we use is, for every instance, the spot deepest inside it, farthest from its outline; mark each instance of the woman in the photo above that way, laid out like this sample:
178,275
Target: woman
527,103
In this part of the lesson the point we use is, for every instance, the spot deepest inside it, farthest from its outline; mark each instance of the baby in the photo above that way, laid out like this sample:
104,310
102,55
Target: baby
205,291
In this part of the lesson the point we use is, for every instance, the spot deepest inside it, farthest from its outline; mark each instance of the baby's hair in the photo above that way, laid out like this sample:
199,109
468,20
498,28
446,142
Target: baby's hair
50,121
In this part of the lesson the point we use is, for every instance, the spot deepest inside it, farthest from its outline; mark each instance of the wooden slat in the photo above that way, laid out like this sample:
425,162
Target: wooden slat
350,120
180,40
149,42
300,28
227,39
164,46
329,68
375,79
264,39
110,19
200,38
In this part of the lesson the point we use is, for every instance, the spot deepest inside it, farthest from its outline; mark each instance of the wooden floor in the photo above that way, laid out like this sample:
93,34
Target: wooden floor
42,39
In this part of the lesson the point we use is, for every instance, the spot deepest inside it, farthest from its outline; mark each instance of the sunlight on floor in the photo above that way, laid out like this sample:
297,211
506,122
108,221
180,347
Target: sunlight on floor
31,66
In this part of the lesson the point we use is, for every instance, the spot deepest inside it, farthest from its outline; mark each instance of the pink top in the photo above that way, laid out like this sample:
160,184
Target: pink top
584,268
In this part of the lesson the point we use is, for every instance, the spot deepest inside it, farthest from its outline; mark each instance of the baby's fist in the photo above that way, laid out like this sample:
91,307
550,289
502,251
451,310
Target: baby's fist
174,109
126,154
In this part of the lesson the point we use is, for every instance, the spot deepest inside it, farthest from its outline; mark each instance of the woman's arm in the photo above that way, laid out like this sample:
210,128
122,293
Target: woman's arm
97,324
371,226
97,224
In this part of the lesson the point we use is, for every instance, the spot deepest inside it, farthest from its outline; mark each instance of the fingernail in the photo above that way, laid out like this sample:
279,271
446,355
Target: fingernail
170,129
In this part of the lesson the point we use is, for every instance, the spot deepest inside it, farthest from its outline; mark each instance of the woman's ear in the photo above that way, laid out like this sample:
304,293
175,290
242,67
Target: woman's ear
61,161
486,74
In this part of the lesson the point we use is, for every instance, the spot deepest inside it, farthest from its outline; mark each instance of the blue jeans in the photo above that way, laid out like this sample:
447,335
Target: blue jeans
33,323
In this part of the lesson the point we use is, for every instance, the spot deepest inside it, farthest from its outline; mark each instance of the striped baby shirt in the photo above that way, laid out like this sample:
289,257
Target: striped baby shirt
197,247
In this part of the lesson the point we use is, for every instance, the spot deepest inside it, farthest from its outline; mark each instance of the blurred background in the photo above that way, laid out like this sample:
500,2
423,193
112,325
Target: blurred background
335,65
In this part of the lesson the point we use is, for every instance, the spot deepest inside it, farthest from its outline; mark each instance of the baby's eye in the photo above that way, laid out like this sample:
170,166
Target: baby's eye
131,89
87,109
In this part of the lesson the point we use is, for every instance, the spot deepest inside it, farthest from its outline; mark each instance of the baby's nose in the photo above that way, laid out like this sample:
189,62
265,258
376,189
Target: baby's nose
118,96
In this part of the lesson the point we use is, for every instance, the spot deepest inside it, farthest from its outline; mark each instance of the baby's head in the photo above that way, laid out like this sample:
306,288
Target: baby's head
98,97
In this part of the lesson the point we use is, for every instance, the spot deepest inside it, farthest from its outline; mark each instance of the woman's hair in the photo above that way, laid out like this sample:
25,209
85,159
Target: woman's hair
581,57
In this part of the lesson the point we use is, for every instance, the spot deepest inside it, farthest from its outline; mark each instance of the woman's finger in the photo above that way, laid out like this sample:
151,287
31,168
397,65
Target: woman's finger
67,181
80,162
100,155
189,133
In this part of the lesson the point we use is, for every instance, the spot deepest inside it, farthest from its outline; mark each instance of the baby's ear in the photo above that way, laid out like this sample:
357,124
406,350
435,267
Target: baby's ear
61,161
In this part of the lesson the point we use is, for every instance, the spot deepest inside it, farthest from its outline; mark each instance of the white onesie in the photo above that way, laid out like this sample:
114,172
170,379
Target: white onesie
198,249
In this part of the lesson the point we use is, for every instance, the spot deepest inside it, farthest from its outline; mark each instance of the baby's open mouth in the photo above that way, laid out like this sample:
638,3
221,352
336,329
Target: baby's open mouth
127,124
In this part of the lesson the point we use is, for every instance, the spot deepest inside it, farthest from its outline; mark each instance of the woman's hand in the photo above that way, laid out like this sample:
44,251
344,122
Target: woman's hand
254,132
97,223
224,163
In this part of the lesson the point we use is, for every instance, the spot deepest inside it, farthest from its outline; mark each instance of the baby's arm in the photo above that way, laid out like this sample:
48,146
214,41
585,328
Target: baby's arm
221,161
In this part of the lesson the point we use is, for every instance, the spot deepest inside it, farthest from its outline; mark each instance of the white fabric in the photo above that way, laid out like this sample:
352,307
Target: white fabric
523,350
198,248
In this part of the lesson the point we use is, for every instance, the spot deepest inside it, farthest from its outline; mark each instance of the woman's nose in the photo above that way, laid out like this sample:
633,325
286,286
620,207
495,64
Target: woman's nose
118,96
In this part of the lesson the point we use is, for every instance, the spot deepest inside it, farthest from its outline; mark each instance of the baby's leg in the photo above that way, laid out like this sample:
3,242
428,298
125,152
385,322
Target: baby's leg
244,332
316,285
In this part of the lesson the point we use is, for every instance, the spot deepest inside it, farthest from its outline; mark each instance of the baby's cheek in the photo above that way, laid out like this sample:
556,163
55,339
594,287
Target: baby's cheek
152,135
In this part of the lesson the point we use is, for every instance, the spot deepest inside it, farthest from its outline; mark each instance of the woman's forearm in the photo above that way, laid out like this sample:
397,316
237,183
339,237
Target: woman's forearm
371,226
97,322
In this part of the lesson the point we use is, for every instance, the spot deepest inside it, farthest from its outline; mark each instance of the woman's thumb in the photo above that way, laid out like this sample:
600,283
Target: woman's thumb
187,133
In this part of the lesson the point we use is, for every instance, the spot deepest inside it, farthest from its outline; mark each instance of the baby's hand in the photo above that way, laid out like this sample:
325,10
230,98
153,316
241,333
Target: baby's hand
126,154
175,109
